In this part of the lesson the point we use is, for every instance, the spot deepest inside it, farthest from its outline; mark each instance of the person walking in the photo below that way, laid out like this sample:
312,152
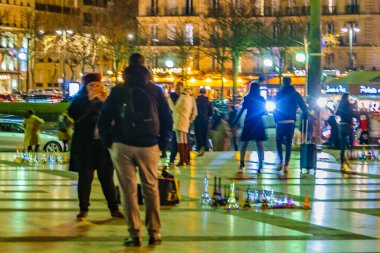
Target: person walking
346,112
201,122
87,151
184,113
65,129
32,125
287,101
135,123
253,128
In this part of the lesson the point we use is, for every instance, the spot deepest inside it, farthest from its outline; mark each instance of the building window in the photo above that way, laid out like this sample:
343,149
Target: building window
292,31
330,59
189,34
171,32
276,31
259,8
153,30
154,7
330,28
189,9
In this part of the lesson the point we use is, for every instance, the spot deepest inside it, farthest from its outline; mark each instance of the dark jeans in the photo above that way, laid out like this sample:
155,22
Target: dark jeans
95,157
173,148
201,131
284,131
346,136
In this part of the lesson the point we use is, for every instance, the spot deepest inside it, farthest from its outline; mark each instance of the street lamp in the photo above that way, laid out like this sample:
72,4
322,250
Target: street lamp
169,63
350,30
64,34
301,57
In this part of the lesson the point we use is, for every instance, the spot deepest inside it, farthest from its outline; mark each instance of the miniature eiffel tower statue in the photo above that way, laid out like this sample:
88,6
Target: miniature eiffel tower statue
247,203
231,201
205,199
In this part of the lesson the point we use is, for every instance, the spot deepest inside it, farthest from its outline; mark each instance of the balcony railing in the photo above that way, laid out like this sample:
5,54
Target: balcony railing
151,11
352,9
57,9
329,10
189,12
171,12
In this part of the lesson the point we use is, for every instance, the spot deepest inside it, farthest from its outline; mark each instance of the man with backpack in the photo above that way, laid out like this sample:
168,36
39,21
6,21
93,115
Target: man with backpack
135,123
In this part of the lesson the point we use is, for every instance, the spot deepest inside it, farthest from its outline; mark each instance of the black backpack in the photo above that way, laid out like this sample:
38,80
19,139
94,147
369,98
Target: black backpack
139,114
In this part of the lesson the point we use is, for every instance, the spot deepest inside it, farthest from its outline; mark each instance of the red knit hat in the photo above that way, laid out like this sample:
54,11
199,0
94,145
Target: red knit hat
91,77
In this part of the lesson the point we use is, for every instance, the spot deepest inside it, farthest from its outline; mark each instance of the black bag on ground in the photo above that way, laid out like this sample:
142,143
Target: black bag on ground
168,192
308,151
139,114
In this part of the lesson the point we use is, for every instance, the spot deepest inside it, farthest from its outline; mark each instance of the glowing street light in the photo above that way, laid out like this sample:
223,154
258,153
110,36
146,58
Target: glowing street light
268,63
300,57
169,63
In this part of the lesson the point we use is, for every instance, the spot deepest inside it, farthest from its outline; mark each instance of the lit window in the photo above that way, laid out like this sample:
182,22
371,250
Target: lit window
189,30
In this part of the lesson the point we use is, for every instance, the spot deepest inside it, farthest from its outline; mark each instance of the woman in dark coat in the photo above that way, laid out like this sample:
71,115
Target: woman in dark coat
87,152
253,129
346,134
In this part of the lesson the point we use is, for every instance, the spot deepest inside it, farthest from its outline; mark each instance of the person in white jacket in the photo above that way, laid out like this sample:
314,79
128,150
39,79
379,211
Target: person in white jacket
184,113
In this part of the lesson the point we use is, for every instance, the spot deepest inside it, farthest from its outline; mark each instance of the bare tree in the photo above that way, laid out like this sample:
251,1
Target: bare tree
233,34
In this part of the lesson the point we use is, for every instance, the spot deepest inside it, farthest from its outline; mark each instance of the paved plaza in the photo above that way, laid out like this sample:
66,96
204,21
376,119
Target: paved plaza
38,205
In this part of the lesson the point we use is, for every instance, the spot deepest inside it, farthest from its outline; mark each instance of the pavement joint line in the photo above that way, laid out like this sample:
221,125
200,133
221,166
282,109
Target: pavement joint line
365,211
320,232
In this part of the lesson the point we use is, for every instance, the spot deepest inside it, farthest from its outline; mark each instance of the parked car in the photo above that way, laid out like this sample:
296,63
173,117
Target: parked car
12,137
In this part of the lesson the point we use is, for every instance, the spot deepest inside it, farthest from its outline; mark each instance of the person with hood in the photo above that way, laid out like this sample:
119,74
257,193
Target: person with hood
287,101
253,129
87,152
184,113
32,125
201,122
135,144
346,112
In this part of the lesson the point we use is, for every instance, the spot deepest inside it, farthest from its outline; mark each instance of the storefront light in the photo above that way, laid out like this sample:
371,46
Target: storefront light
268,63
155,79
208,80
169,64
300,57
192,80
22,56
322,102
271,106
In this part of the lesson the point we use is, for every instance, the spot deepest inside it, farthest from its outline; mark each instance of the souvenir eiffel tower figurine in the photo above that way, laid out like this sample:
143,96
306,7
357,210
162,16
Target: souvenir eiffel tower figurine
231,202
372,153
43,158
247,203
51,158
217,196
205,199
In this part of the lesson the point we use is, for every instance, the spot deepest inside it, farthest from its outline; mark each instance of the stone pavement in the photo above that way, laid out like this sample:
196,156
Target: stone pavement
38,205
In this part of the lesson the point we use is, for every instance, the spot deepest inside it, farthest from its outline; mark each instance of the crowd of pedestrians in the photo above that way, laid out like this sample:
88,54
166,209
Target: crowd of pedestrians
129,129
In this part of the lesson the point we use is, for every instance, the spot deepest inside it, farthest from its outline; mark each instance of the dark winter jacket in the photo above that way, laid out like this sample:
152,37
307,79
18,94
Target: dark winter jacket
204,109
346,112
287,102
85,114
110,121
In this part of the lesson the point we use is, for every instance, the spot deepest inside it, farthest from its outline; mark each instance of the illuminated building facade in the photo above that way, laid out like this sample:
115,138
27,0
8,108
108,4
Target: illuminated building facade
160,19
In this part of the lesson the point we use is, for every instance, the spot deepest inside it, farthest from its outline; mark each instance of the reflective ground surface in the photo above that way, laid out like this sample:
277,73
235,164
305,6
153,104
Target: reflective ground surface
38,206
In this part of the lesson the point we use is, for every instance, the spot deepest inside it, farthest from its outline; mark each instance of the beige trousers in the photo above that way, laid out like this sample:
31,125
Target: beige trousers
127,159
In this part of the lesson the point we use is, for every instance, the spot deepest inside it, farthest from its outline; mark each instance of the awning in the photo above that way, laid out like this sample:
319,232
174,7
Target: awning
362,83
296,80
